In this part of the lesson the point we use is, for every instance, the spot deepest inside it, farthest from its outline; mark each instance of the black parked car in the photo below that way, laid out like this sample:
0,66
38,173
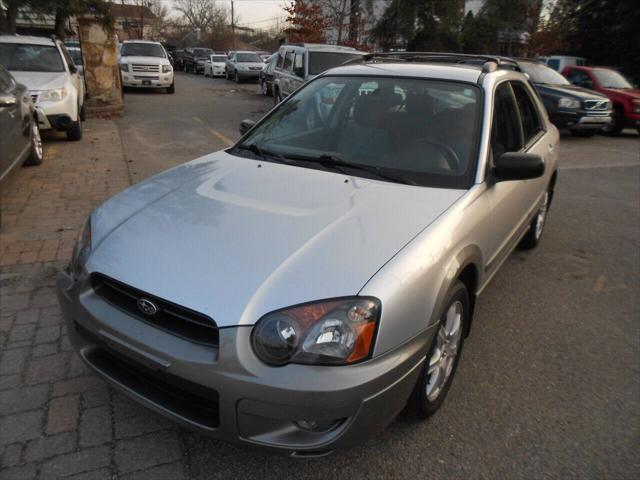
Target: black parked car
266,75
193,60
19,134
582,111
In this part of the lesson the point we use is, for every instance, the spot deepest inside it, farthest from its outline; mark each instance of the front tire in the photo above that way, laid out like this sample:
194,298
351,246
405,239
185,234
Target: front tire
75,130
617,123
171,89
237,77
583,133
442,359
265,88
534,234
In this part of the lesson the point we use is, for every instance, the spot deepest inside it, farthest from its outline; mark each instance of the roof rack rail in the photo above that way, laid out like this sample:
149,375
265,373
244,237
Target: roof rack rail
489,62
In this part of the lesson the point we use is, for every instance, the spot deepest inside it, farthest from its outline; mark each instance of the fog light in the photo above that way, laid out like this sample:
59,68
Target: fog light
317,426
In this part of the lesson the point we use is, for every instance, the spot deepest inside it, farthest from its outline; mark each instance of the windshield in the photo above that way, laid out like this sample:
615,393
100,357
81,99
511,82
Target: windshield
611,79
218,58
541,74
202,52
422,132
142,50
322,61
248,58
19,57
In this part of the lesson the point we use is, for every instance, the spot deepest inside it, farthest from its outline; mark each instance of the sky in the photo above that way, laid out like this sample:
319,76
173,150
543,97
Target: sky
258,14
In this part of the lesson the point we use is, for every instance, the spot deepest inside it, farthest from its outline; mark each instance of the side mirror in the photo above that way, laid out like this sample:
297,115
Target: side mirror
246,125
518,166
7,100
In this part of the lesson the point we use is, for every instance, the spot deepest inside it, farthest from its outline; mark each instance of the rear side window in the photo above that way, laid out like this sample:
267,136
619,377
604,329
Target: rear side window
531,125
506,129
288,61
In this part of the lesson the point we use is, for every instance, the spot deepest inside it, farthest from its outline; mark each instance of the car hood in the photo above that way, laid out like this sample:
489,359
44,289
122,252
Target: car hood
569,90
236,238
629,92
41,80
145,60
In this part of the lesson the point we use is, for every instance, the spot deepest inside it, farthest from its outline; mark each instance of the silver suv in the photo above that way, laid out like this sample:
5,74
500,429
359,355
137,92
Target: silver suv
299,289
300,62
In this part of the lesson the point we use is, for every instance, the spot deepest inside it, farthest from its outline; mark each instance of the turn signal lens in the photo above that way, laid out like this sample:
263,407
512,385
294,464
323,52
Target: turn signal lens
331,332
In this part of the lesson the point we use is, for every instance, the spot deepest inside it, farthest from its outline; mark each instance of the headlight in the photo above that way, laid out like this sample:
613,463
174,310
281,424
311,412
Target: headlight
54,95
566,102
82,249
166,68
329,332
124,67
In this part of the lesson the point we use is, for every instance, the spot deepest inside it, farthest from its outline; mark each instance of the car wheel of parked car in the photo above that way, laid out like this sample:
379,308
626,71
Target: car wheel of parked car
442,360
617,122
36,155
172,88
75,131
276,96
583,133
533,236
265,88
83,113
237,78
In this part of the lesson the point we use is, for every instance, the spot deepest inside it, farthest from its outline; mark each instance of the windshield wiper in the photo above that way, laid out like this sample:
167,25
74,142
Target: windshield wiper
254,148
337,163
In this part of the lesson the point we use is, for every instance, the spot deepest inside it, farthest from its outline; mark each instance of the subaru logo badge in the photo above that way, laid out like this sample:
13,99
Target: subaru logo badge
147,306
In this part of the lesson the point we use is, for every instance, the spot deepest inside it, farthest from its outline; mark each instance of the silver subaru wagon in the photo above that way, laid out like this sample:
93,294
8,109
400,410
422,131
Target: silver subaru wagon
299,289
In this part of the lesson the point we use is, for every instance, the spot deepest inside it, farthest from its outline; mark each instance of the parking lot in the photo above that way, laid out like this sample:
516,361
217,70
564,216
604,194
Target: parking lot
548,385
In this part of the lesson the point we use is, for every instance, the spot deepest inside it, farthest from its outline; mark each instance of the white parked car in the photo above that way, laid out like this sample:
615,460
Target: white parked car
214,66
145,64
242,66
46,68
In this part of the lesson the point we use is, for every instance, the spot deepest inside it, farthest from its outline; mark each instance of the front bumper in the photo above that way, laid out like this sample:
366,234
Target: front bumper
145,80
56,115
581,119
226,392
248,73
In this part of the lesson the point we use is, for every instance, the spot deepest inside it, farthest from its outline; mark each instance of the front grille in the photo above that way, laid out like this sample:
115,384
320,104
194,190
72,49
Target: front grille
171,318
146,77
177,395
596,105
592,113
145,68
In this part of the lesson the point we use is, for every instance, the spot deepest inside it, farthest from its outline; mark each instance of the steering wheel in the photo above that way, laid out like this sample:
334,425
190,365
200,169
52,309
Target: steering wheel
449,154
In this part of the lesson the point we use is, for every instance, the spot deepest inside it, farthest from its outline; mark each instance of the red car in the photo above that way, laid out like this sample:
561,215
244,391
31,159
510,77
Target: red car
609,82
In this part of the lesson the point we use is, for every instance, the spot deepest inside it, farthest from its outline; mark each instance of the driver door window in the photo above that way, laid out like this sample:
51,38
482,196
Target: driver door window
506,129
531,124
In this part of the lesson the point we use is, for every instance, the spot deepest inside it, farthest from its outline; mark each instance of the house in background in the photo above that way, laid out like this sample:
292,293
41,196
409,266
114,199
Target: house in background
134,22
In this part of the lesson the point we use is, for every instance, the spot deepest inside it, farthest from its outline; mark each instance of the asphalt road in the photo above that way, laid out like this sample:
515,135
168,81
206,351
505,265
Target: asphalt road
549,382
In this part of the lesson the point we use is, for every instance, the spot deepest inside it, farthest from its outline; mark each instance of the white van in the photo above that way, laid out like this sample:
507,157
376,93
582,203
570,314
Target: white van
558,62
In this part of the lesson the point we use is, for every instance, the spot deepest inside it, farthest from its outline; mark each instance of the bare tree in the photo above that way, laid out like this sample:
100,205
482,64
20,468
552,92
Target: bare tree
200,14
339,11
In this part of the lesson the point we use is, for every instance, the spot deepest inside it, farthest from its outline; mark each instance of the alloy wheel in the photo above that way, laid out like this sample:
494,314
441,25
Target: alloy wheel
541,217
36,140
446,351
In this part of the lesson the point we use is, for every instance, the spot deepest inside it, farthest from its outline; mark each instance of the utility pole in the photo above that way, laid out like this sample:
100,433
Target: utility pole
233,27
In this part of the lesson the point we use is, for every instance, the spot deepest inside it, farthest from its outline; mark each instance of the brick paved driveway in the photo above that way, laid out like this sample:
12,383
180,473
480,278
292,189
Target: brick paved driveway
56,418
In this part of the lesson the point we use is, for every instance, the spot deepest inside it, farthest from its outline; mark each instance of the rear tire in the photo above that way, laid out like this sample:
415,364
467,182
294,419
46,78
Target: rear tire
237,77
444,354
36,154
534,235
83,113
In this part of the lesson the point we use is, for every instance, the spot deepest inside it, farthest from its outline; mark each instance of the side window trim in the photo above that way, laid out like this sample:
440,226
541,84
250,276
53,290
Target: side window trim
493,113
536,107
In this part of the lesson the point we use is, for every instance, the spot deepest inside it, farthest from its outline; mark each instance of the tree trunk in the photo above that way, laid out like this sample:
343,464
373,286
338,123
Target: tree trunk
60,25
12,13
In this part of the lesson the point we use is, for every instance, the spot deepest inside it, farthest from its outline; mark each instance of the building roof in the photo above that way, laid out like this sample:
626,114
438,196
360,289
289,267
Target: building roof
119,10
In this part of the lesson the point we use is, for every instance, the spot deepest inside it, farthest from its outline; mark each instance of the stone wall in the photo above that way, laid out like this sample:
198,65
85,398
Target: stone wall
101,72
